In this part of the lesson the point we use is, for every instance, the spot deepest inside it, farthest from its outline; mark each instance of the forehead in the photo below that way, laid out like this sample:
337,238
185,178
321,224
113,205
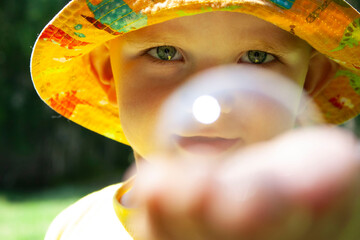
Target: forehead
219,25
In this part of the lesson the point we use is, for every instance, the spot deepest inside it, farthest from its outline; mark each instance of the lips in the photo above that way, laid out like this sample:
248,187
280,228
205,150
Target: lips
207,145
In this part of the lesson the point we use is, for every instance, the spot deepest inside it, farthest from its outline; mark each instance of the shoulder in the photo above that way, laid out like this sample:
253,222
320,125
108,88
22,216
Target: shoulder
92,217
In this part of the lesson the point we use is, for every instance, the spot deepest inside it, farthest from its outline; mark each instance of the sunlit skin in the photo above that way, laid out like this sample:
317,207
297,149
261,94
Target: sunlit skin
144,81
297,186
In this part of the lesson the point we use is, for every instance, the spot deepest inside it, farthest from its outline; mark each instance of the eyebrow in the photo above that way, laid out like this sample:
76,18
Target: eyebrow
284,39
280,44
256,44
145,43
269,46
151,39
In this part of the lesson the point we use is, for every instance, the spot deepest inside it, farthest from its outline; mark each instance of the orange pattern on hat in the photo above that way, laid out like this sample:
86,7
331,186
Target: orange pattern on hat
95,2
58,36
66,103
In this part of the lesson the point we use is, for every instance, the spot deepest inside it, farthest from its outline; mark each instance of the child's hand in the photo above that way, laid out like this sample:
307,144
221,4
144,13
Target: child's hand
303,185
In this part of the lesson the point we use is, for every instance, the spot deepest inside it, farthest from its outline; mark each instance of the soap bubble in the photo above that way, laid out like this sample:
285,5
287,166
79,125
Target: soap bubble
223,109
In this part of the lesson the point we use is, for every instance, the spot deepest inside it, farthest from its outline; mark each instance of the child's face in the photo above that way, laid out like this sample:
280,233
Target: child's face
150,63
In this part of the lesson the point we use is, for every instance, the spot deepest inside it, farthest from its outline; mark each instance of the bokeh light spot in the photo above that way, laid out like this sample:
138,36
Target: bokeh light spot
206,109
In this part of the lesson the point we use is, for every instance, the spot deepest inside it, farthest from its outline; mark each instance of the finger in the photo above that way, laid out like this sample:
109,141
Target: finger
293,170
309,165
320,165
173,196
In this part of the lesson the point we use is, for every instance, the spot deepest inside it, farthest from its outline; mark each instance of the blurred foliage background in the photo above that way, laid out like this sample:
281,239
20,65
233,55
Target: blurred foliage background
46,161
39,148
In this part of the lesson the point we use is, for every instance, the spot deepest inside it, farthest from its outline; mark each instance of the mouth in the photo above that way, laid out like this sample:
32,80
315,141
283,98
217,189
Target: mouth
201,145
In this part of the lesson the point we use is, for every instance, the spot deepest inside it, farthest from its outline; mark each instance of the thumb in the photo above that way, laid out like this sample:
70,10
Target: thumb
308,167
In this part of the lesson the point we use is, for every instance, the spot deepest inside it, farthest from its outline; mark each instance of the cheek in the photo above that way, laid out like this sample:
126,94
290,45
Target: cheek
297,67
270,120
138,116
138,128
141,96
296,73
258,118
144,89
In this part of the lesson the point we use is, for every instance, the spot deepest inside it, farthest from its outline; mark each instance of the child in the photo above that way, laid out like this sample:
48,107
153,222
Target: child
100,61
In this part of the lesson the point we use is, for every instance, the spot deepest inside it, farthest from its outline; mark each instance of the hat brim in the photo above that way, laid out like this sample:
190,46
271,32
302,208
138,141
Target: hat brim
60,63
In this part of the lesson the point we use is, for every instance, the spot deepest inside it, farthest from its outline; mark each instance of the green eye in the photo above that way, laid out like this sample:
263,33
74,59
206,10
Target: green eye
257,57
165,53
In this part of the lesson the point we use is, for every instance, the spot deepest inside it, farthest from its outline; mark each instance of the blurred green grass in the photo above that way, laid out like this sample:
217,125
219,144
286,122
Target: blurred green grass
27,215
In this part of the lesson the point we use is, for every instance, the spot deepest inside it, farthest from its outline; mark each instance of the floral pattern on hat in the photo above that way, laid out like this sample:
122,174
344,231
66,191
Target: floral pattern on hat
351,37
117,15
285,4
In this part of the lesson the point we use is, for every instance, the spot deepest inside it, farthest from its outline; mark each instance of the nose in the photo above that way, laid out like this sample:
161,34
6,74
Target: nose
223,89
208,63
220,90
230,96
206,109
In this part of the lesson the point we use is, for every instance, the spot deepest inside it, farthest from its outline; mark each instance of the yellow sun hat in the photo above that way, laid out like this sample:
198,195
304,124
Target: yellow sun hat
60,66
